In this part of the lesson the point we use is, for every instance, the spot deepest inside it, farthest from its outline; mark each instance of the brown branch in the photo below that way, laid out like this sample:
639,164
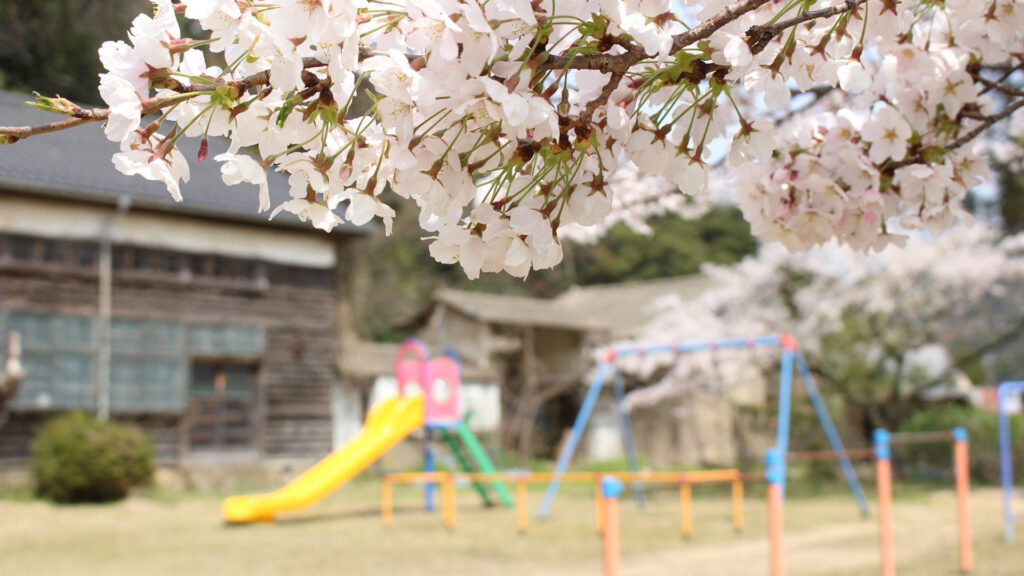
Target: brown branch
606,92
987,123
712,25
1006,74
12,134
998,85
761,35
959,362
634,53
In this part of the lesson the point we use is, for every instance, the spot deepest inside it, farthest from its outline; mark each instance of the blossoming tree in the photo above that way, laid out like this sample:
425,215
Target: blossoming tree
508,121
862,321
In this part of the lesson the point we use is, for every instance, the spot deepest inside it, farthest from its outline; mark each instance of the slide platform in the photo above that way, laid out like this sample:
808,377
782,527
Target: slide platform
387,424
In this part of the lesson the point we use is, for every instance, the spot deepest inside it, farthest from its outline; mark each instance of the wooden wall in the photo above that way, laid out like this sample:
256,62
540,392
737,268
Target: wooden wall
296,307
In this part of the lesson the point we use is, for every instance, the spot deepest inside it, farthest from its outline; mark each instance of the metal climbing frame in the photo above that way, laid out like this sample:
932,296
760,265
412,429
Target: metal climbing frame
791,358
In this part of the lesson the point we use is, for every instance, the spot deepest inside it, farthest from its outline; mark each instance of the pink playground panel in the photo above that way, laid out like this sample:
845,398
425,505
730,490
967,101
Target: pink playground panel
438,379
443,395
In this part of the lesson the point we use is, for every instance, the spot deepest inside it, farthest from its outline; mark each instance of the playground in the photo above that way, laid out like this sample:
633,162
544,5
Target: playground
428,400
479,520
183,534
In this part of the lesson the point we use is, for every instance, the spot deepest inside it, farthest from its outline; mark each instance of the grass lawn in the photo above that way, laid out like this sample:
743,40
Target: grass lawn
183,535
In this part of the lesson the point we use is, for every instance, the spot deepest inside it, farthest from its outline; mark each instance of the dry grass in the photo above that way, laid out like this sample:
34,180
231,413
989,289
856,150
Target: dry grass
183,536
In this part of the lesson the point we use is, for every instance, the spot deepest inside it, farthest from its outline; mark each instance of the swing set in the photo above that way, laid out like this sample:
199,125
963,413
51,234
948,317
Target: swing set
791,361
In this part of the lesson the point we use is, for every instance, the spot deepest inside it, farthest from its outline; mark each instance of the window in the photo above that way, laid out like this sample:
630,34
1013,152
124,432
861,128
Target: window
222,406
58,357
149,362
147,366
210,340
46,251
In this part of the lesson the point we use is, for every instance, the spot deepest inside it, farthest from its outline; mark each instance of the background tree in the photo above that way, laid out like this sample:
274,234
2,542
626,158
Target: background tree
49,46
399,277
883,333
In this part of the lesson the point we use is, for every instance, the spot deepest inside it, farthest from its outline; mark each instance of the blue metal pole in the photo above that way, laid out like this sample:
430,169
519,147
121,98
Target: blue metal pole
785,408
428,466
574,438
686,347
627,434
833,435
1006,457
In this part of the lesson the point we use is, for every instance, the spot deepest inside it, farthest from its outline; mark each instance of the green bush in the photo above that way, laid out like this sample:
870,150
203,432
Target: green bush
933,461
76,458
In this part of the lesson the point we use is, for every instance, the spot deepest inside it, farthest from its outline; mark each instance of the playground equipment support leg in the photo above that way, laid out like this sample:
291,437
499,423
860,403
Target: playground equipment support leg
449,507
961,466
685,509
785,405
574,438
737,505
522,507
610,490
627,434
598,507
1006,457
883,473
833,436
428,466
774,473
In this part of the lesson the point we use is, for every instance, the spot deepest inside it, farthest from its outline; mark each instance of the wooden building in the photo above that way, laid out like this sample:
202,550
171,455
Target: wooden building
217,330
542,352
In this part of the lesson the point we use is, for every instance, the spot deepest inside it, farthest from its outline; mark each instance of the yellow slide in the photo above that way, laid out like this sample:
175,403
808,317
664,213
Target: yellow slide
386,425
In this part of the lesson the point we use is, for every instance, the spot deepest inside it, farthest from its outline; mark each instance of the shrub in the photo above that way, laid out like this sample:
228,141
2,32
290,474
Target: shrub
934,461
76,458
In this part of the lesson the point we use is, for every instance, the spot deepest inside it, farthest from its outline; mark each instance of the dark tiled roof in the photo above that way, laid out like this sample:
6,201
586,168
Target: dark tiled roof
76,164
362,359
619,309
517,310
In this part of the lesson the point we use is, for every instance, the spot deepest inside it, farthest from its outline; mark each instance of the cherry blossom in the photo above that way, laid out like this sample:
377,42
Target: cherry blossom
928,292
513,124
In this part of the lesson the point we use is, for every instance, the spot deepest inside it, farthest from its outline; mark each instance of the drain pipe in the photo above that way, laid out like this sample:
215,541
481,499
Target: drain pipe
106,289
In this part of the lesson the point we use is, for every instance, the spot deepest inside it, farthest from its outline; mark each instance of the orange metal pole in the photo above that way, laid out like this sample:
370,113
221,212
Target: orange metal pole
775,528
598,508
775,474
883,474
610,490
685,509
961,466
386,505
448,503
522,513
737,504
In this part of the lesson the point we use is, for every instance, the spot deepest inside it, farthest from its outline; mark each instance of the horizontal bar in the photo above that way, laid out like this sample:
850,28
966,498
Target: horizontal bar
830,456
920,437
687,347
681,477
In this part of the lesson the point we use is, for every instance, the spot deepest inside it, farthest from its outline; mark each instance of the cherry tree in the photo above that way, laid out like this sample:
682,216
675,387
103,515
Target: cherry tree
863,321
509,121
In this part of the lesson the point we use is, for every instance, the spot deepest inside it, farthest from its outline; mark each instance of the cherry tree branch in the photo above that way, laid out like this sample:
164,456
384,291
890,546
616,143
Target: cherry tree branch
79,116
985,124
998,85
761,35
634,53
